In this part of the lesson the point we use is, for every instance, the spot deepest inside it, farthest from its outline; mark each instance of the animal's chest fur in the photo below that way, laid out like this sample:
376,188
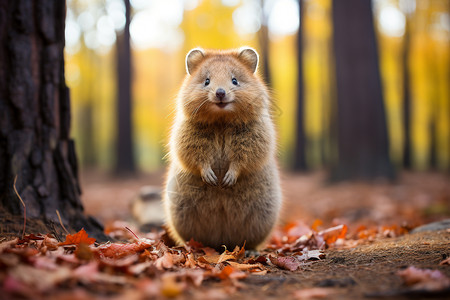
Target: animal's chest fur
221,159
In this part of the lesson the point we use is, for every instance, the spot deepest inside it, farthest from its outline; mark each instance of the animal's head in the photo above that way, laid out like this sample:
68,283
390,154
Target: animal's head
223,86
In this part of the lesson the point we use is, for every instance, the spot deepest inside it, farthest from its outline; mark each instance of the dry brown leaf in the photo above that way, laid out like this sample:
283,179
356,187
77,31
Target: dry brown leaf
245,267
164,262
50,243
286,262
216,259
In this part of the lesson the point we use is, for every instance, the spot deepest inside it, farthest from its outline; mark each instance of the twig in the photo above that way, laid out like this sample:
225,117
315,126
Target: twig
24,208
137,238
335,228
60,222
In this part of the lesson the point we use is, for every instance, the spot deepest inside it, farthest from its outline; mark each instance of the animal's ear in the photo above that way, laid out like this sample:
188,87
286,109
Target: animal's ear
249,57
193,58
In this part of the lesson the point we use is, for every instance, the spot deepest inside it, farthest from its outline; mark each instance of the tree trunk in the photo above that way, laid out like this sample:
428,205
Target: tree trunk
299,163
406,100
362,132
35,142
264,44
125,154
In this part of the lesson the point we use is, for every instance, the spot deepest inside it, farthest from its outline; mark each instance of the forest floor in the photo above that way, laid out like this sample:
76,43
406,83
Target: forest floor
369,252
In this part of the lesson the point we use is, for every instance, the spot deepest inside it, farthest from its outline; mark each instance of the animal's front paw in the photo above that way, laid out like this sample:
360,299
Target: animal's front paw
230,178
208,176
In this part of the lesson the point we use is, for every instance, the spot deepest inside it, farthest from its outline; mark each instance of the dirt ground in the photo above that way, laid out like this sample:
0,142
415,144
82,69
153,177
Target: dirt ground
414,199
366,270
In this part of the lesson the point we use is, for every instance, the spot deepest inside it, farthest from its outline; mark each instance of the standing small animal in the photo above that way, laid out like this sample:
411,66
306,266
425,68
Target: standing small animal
223,184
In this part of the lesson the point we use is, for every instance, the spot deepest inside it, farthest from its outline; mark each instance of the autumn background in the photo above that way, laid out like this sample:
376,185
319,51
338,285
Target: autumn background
362,107
415,33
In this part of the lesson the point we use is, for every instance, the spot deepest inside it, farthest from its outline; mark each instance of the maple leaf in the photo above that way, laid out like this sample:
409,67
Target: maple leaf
77,238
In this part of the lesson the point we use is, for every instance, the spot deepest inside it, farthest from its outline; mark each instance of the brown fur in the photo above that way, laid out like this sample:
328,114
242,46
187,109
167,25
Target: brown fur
223,182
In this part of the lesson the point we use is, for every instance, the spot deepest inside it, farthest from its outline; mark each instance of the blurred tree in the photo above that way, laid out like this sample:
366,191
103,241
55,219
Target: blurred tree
406,93
125,162
300,140
264,44
362,133
35,122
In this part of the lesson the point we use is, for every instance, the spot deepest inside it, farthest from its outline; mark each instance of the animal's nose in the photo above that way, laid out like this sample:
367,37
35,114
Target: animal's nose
220,93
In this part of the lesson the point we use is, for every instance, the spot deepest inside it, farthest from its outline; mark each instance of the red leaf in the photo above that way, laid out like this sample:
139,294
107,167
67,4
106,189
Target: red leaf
29,237
115,250
77,238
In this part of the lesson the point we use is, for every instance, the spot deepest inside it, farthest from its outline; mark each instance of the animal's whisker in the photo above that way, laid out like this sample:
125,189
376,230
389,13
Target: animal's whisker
198,108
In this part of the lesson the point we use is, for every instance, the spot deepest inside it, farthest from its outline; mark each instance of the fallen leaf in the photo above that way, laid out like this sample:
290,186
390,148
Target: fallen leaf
313,293
50,243
8,244
228,272
164,262
42,280
316,224
115,250
83,252
424,279
286,262
170,287
30,237
244,267
445,262
77,238
215,259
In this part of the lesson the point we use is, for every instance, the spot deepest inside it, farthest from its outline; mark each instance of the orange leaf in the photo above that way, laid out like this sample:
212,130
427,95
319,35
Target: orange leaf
228,272
343,232
77,238
316,223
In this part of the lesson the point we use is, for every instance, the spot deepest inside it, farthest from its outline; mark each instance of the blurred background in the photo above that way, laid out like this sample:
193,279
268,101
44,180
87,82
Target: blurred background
412,40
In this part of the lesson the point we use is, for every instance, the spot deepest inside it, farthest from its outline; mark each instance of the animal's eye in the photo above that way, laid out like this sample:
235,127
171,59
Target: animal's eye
234,81
207,81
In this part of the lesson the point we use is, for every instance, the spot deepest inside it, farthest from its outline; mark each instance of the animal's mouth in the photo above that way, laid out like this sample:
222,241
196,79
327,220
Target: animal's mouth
222,104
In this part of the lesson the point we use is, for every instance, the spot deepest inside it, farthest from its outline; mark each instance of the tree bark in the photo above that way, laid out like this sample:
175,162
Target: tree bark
35,143
362,132
125,153
299,162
